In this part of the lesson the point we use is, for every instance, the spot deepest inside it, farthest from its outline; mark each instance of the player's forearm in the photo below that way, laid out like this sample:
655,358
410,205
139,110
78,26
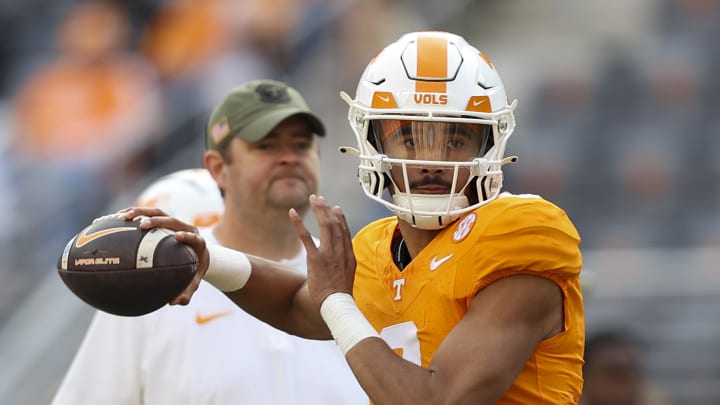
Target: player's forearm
267,290
389,379
386,377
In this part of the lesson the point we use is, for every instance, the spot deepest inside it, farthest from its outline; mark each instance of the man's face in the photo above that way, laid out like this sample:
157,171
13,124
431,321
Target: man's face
279,171
430,141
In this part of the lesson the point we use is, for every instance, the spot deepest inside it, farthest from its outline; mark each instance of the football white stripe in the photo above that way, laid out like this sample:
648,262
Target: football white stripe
148,245
66,253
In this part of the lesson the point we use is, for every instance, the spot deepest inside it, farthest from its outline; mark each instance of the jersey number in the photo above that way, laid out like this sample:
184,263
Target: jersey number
402,338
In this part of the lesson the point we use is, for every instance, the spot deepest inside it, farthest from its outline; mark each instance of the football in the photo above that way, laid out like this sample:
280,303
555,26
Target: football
116,267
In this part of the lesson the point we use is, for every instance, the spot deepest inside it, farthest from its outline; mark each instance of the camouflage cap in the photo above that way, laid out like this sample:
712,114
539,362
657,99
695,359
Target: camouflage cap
251,110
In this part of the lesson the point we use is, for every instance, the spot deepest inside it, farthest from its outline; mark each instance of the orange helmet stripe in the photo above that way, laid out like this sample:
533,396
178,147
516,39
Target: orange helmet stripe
432,60
487,60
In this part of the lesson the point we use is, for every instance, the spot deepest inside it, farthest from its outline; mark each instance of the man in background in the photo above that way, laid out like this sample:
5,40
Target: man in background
614,371
262,153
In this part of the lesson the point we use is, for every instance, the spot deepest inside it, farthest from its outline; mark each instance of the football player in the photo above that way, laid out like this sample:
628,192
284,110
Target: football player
467,294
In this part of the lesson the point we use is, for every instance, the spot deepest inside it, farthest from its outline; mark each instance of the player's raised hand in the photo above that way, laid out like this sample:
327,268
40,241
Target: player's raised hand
184,232
331,266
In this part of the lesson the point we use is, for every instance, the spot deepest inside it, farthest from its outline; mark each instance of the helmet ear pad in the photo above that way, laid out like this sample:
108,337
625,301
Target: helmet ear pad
376,182
373,182
484,188
472,191
387,181
370,136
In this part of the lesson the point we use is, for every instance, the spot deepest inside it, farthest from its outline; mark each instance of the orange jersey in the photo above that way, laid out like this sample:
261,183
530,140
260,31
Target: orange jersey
415,309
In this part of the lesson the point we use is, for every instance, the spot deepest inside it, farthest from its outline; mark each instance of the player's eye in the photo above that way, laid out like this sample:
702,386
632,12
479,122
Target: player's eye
456,143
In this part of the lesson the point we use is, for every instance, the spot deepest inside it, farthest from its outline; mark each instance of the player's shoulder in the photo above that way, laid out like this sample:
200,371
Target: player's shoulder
378,227
523,212
508,201
515,232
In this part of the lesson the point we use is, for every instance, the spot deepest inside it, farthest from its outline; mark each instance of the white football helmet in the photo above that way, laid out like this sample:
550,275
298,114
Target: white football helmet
190,195
431,103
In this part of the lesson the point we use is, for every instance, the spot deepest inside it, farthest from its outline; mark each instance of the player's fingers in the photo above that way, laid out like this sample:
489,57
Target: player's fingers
302,231
317,206
166,222
327,224
197,243
343,221
184,297
193,239
340,234
346,238
131,213
337,222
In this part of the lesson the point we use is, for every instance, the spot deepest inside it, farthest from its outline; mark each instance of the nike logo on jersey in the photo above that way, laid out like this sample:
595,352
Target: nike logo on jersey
83,239
435,262
203,319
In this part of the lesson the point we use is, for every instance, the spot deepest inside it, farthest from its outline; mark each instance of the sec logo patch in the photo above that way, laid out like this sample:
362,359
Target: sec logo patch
464,227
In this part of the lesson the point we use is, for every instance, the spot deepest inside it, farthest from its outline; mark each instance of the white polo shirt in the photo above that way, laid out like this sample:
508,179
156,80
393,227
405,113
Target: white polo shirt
208,352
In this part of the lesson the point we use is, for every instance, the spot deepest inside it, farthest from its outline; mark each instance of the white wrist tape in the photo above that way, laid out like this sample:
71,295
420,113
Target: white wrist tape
228,270
346,323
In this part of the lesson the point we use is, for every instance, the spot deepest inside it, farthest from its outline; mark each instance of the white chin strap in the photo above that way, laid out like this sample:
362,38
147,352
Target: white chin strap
429,211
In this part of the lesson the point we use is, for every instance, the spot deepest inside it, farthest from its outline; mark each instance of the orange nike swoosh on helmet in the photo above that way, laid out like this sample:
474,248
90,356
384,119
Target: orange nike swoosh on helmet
83,239
203,319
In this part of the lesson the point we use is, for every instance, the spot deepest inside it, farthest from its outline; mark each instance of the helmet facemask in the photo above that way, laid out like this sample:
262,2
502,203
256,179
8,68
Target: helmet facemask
434,169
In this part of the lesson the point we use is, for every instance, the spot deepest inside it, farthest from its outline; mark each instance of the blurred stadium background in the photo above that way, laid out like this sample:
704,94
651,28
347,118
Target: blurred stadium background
618,123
